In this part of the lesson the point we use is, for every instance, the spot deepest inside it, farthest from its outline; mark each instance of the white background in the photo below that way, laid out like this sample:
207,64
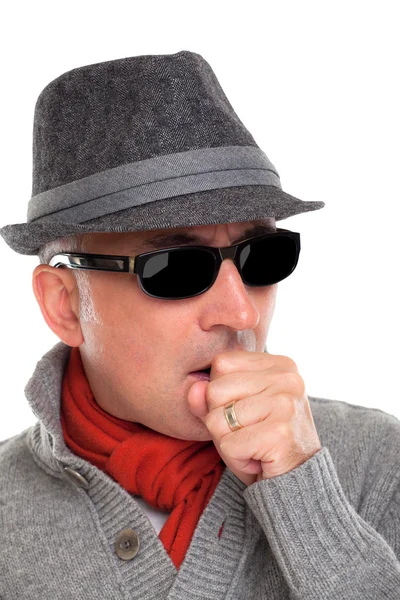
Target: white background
317,85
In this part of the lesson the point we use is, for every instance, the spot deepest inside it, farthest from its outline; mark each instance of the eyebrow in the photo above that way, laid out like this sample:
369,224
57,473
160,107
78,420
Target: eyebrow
162,240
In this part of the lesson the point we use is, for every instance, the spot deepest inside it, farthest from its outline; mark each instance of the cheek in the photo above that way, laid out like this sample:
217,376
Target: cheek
117,298
266,299
270,308
265,302
270,298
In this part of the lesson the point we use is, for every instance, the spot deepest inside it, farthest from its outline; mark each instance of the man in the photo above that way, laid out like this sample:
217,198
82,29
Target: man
154,212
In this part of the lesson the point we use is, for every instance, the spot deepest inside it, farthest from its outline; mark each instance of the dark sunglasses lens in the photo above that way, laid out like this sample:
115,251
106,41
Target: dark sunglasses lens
268,261
186,272
178,273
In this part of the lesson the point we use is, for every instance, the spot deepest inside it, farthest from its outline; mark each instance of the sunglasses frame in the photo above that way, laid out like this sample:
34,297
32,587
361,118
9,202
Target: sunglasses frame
136,264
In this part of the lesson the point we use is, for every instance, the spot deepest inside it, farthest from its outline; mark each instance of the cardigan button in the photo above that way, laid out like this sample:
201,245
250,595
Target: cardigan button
127,544
76,477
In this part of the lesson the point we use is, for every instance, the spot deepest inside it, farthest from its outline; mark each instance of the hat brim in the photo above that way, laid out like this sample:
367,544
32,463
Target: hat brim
210,207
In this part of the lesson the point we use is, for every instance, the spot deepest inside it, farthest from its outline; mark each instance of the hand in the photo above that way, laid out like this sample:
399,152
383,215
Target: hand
278,431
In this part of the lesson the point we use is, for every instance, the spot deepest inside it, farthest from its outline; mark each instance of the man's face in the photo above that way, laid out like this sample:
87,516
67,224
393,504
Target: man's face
139,352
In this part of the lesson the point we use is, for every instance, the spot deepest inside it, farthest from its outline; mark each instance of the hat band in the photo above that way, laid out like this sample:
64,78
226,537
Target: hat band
157,178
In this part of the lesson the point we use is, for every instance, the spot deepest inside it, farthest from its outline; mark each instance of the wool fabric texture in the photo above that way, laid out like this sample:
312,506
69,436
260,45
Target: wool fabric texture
329,529
140,143
175,475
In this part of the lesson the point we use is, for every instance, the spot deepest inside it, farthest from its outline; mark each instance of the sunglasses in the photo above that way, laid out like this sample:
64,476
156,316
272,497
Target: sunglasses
187,271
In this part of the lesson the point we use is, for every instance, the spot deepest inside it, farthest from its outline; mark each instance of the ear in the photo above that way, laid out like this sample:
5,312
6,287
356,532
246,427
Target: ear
57,294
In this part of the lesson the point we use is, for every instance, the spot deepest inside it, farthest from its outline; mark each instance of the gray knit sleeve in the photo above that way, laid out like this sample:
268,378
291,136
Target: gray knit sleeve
325,550
389,526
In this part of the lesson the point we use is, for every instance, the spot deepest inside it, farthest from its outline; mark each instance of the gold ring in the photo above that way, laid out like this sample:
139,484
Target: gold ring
230,416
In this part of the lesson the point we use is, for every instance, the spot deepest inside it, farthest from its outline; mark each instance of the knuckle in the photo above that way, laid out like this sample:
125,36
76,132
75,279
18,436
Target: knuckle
288,363
287,402
220,362
283,430
295,383
291,364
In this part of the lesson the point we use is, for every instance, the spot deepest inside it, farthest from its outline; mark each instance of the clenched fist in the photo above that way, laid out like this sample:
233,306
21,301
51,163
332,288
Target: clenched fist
278,432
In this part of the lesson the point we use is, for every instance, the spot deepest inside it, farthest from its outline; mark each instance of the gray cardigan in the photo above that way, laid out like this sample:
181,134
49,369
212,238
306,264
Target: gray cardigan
329,529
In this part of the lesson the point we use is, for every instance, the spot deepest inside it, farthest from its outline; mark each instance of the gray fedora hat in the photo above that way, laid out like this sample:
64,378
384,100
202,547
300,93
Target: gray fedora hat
139,143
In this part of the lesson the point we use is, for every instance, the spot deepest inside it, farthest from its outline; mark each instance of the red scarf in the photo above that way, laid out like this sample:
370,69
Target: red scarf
175,475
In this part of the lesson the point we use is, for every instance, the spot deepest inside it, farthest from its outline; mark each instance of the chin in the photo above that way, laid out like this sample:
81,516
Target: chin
193,433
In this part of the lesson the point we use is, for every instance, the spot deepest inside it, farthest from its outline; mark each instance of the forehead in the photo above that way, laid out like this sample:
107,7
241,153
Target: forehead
158,238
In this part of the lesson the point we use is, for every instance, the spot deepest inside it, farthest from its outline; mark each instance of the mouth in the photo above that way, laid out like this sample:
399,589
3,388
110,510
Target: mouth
202,374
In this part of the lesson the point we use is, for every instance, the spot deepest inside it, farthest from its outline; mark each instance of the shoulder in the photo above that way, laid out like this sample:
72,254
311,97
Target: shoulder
16,461
334,418
12,447
364,444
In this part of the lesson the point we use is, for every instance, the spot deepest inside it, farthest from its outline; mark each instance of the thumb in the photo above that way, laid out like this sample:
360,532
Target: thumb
197,399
